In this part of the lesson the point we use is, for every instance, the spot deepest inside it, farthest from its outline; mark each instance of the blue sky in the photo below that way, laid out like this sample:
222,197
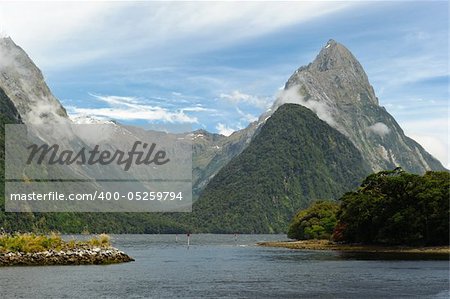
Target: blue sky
220,65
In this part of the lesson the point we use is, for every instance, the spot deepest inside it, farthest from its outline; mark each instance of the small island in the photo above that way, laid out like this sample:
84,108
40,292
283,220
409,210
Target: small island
29,249
392,214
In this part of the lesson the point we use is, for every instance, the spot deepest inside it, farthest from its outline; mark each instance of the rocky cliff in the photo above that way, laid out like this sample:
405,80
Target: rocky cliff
337,89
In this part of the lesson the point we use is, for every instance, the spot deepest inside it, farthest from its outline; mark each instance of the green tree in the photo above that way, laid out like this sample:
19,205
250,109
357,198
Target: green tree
395,207
315,222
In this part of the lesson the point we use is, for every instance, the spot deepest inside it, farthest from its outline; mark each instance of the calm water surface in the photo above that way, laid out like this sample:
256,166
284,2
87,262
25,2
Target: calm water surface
219,266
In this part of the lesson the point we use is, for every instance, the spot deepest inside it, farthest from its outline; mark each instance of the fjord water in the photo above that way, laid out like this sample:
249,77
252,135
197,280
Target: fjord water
220,266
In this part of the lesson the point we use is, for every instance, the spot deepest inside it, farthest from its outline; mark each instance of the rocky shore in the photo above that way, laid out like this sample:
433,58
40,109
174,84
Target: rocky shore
82,256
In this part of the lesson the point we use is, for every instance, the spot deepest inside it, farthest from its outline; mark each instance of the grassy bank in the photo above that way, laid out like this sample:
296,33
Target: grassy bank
436,251
46,250
32,243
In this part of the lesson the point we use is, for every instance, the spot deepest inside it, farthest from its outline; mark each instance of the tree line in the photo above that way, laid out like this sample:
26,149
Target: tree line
390,207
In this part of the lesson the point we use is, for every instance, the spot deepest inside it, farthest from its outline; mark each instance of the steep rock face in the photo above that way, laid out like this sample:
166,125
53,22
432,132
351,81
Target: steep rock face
295,158
8,115
211,152
8,112
336,87
25,88
24,84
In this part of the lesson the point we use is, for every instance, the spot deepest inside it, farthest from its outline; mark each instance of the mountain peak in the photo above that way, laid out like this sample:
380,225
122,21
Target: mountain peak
4,38
24,84
340,78
336,56
331,42
337,89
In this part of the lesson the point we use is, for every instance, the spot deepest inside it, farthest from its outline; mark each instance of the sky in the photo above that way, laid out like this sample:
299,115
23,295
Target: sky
219,65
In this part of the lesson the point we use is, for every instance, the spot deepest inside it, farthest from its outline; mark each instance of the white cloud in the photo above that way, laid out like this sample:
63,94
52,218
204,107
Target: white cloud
59,35
380,129
321,109
236,97
131,108
43,29
395,69
432,135
435,146
224,129
118,100
246,117
197,109
409,69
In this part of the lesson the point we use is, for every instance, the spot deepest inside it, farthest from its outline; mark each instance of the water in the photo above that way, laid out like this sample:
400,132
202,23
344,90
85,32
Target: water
217,266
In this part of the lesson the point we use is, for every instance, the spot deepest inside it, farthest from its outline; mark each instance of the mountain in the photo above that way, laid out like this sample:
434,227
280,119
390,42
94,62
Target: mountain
72,222
25,86
26,98
8,112
336,87
210,152
287,165
295,157
8,115
245,188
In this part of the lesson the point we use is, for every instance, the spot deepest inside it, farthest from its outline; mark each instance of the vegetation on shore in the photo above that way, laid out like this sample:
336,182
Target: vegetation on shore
315,222
439,252
32,243
43,250
389,208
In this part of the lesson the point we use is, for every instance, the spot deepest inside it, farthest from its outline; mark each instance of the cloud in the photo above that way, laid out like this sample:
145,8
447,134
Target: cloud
432,135
55,27
321,109
421,55
435,146
246,117
379,128
236,97
410,69
197,109
224,129
132,108
70,34
118,100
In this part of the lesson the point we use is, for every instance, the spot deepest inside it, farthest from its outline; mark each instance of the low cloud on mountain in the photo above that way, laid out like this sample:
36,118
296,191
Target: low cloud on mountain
292,95
380,129
131,108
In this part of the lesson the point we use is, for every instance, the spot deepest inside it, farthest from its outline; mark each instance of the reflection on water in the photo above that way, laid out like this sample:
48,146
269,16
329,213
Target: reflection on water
216,266
392,256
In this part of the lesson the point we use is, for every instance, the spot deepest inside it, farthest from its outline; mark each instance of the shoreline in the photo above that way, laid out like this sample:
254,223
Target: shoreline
29,249
439,252
79,256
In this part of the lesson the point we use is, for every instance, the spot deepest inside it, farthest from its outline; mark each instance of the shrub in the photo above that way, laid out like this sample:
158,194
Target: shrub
30,243
315,222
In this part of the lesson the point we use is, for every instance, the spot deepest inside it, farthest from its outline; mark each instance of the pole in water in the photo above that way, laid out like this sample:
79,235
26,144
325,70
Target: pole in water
188,237
176,238
235,239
